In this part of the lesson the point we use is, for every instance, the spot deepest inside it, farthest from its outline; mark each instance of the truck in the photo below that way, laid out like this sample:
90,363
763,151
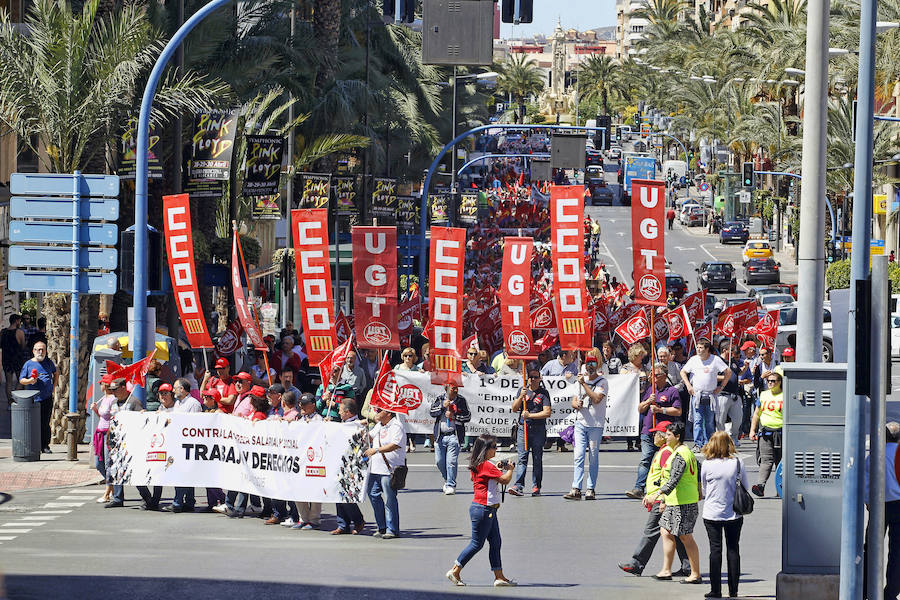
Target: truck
637,166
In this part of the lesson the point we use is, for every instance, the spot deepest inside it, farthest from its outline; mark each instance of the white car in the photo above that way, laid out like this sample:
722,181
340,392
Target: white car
787,330
775,301
895,336
614,153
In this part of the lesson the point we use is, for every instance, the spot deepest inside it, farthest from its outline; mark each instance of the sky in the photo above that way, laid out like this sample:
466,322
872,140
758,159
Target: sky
577,14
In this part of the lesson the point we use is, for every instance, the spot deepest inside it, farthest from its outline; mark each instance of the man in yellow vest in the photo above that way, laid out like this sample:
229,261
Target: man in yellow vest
655,479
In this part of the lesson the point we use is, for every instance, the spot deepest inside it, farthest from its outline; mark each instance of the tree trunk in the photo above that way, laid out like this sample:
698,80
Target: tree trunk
327,27
57,308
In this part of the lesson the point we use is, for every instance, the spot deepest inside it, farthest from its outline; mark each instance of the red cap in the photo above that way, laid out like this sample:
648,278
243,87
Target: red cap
257,390
661,426
212,393
747,344
787,352
243,376
590,359
222,363
165,388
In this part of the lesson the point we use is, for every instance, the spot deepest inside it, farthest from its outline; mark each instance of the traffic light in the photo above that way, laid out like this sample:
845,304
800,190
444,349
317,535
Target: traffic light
637,119
618,134
407,9
508,9
747,178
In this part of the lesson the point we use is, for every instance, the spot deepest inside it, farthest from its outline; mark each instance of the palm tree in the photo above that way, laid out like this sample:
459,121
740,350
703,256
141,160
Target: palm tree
597,79
68,83
519,76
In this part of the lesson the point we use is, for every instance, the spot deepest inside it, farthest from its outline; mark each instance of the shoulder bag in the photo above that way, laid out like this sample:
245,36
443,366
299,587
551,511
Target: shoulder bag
398,474
743,501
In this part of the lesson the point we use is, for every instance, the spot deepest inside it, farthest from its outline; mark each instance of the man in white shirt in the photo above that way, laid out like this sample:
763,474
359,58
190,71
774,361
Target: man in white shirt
589,422
184,402
388,452
700,375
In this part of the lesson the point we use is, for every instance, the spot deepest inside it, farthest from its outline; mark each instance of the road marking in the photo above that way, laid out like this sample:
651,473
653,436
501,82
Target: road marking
29,523
51,512
88,492
683,248
6,538
62,504
76,497
40,518
16,530
615,262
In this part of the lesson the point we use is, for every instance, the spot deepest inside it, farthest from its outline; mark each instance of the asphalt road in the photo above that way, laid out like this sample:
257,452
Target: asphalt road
554,548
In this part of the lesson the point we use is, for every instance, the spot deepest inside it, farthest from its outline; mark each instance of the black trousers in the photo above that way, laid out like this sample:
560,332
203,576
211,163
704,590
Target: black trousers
732,531
151,500
46,413
645,547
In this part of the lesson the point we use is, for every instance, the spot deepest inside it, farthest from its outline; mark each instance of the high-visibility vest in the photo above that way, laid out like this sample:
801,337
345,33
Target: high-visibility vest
687,491
655,476
771,409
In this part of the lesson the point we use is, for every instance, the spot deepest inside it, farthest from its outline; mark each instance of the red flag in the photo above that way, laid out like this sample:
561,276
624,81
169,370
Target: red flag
408,311
447,258
469,342
675,319
696,305
660,327
543,316
243,309
384,393
334,360
182,271
133,373
567,242
601,319
375,287
619,316
313,269
515,296
648,241
737,317
549,340
704,331
342,327
767,326
635,328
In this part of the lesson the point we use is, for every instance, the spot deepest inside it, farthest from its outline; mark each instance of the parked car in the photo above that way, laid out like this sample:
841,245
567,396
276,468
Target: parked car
734,231
775,301
723,303
787,330
676,285
760,292
762,270
695,215
717,275
756,249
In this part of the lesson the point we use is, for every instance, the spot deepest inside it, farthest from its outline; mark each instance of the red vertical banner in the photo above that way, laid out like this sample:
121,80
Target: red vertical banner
445,295
182,271
375,287
244,311
567,242
648,241
515,297
312,265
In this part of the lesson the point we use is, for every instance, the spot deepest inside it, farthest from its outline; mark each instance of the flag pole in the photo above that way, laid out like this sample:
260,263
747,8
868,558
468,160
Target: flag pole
524,387
653,359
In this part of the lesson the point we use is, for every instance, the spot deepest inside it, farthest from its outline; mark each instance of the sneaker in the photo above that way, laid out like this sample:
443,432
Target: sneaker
114,504
758,490
289,522
378,534
47,450
514,491
635,494
511,448
253,511
103,500
389,536
298,525
233,514
573,495
535,491
454,579
632,567
308,526
505,583
696,449
589,495
219,508
449,491
145,506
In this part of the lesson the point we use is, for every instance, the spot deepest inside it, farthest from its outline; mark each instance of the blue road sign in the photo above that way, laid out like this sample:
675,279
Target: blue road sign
60,257
54,184
37,232
94,209
61,281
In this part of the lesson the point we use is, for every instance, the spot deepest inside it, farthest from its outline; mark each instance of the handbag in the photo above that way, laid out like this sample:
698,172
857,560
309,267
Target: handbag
398,474
743,501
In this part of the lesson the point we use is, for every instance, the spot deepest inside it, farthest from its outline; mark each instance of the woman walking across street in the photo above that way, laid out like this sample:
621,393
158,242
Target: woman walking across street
679,495
483,510
103,410
767,421
718,480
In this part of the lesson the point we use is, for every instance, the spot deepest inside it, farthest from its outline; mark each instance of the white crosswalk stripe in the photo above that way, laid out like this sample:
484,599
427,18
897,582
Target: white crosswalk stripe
40,518
62,504
16,530
51,512
6,538
85,492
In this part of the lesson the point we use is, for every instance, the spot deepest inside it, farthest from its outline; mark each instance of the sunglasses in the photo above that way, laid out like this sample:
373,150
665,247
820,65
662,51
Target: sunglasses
771,381
472,353
534,377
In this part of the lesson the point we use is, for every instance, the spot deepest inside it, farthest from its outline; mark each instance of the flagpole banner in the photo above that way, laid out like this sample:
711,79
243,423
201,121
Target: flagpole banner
314,190
384,200
490,400
182,271
515,297
262,165
345,198
375,287
266,208
128,164
445,277
313,269
213,144
289,460
408,213
437,207
648,253
567,242
248,321
468,208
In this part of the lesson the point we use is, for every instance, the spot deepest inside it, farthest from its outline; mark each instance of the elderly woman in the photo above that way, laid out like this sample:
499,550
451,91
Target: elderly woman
409,364
103,410
636,355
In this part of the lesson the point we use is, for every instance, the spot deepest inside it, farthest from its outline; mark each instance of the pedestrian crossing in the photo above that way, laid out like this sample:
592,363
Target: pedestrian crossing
47,513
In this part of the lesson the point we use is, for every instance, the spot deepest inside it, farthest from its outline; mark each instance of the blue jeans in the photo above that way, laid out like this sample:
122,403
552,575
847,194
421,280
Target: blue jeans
648,449
387,511
348,514
446,456
704,420
485,527
536,438
184,496
118,494
587,439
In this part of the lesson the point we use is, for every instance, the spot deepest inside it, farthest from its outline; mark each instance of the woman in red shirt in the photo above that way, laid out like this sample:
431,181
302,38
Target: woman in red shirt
483,511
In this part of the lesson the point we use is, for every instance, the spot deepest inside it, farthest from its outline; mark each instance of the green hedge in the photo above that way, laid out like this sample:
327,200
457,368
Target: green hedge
837,276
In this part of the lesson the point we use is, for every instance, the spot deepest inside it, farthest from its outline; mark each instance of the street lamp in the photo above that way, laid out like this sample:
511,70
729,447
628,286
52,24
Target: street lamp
453,80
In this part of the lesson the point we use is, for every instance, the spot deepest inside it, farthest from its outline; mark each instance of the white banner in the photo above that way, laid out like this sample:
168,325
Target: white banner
313,462
490,399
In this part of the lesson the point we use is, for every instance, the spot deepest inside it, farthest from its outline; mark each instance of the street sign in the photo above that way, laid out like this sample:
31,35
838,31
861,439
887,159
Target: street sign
95,209
60,257
879,204
62,281
63,184
744,197
36,232
704,187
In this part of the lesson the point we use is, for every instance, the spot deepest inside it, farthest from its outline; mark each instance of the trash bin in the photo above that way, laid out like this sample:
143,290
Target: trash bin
26,426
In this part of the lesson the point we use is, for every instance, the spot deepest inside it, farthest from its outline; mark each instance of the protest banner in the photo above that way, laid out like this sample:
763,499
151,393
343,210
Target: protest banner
567,243
290,460
182,270
515,297
648,242
313,269
375,287
447,258
490,400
